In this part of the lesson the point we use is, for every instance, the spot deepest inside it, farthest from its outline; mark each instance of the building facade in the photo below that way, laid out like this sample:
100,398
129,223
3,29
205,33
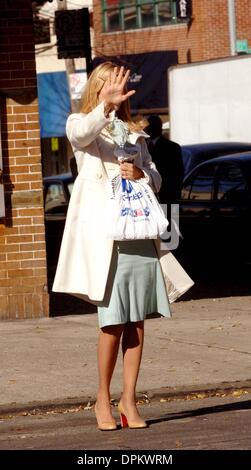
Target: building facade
23,273
120,27
194,30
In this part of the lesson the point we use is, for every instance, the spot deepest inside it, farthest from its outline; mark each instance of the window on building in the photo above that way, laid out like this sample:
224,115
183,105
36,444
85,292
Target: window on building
132,14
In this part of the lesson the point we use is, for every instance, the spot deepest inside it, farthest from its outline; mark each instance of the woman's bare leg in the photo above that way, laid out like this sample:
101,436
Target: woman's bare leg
108,346
132,347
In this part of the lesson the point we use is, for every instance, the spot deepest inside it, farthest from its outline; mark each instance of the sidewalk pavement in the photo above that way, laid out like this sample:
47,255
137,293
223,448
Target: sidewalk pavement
204,346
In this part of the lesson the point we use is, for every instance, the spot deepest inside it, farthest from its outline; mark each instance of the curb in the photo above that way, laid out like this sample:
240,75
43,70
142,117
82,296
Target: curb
164,393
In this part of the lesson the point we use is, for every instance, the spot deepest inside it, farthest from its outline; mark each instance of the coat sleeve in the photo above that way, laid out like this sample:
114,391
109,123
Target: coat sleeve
82,129
152,176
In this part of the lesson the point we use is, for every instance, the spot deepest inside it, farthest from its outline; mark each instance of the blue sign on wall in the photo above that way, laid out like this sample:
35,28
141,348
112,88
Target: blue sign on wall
54,103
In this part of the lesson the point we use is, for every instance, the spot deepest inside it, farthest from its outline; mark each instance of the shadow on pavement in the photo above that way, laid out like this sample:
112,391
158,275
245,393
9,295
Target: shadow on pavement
241,405
217,288
65,304
215,276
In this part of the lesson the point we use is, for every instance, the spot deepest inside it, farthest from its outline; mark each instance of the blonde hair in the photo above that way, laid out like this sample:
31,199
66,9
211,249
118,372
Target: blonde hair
90,97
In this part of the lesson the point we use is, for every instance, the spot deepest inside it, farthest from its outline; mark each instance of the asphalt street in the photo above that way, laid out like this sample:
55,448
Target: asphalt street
214,423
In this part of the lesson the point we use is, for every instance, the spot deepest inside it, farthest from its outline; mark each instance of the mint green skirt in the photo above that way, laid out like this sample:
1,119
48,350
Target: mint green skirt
135,286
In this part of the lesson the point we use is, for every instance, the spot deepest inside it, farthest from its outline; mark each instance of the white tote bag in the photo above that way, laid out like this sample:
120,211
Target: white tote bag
133,211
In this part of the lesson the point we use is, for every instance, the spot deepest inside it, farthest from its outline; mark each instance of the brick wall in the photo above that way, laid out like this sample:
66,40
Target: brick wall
243,20
23,274
207,37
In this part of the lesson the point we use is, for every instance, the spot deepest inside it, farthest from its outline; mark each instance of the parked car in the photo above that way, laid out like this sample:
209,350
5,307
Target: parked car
215,212
57,192
197,153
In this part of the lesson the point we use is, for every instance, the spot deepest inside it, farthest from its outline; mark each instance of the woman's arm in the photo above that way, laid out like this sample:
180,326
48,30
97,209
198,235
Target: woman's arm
82,129
146,171
151,174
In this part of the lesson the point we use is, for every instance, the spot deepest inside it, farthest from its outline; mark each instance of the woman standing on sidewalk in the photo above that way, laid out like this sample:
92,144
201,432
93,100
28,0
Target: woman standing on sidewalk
125,279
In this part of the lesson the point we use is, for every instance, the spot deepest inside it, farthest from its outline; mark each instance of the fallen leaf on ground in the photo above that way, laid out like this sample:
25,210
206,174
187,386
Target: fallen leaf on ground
201,395
88,406
238,393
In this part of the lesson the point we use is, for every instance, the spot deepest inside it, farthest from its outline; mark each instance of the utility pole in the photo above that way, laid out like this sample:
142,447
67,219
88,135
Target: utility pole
232,26
69,63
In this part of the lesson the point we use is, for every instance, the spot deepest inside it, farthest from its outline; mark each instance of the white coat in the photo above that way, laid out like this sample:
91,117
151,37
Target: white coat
86,251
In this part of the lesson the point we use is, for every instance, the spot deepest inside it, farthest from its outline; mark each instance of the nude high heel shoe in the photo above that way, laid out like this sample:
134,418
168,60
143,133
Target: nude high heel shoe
105,426
130,424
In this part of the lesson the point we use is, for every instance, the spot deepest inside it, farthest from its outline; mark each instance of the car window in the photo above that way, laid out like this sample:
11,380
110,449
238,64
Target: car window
55,200
231,183
201,184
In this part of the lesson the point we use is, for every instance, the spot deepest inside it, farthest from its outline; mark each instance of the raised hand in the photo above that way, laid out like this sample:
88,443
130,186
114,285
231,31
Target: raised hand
113,92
